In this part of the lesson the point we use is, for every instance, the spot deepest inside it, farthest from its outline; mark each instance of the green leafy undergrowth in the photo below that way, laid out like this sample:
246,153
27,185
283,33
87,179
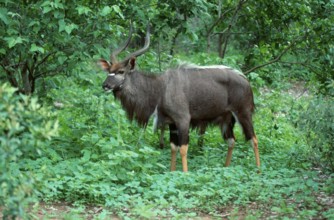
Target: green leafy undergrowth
172,194
318,123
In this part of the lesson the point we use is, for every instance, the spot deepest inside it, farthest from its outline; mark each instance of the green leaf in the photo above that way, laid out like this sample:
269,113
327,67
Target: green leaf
86,156
105,11
69,28
34,23
35,48
117,9
62,25
46,9
57,4
3,16
62,59
83,10
12,41
2,51
46,3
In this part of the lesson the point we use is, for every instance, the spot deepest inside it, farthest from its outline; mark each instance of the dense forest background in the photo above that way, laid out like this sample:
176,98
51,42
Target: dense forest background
64,141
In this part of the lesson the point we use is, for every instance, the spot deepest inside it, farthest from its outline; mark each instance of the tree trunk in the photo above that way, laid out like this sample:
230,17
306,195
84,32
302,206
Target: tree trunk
26,89
171,52
220,45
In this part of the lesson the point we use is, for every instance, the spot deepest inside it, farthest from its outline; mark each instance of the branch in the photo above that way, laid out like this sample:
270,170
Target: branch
277,59
50,72
41,62
45,58
235,14
13,65
10,76
304,64
230,25
223,32
217,21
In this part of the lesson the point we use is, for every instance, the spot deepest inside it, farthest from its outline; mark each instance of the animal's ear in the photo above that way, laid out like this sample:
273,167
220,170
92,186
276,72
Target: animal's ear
132,63
105,65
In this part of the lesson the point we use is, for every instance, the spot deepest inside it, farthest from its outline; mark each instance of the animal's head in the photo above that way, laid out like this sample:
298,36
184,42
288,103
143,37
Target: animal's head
118,70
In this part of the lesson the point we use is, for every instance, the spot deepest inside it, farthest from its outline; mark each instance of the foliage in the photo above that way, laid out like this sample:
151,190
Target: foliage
277,25
26,129
33,48
318,123
299,34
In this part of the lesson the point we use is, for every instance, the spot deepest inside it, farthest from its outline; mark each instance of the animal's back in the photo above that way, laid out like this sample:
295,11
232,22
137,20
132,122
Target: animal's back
208,92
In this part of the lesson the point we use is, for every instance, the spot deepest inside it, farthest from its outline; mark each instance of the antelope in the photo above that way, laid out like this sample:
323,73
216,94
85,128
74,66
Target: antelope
184,97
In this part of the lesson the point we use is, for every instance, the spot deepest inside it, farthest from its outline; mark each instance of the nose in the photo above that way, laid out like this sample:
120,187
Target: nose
106,87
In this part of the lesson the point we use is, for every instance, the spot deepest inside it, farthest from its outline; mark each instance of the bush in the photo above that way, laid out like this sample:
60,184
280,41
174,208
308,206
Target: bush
25,128
318,123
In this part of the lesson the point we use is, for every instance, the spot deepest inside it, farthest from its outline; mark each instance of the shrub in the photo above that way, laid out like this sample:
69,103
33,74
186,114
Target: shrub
318,123
25,128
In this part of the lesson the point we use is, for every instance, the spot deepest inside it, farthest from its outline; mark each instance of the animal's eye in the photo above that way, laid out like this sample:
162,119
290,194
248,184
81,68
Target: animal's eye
121,71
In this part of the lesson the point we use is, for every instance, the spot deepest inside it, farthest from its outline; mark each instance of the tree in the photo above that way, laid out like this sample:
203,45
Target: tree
177,17
277,28
45,38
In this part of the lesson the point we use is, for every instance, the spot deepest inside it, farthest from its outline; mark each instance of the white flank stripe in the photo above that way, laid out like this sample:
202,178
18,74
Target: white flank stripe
194,66
222,67
214,67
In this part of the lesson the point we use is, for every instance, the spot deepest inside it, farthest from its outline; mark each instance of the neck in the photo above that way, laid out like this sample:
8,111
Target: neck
140,96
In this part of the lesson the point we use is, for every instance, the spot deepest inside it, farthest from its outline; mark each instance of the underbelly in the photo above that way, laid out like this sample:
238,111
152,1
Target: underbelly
208,113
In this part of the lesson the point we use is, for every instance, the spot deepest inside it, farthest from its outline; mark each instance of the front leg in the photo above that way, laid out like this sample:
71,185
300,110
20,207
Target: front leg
183,152
183,134
179,136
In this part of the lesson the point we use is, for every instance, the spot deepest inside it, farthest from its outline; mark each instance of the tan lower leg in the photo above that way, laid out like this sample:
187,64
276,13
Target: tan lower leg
183,152
173,157
256,150
229,152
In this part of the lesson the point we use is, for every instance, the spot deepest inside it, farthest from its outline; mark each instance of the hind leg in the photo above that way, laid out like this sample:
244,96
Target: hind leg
254,143
245,120
231,143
